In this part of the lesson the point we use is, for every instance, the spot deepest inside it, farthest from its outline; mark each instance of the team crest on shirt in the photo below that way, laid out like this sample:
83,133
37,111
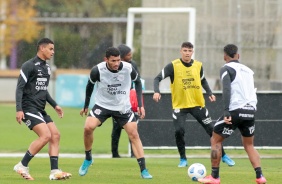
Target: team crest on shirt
120,77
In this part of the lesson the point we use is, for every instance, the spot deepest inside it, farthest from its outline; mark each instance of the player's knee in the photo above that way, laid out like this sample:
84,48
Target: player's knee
133,135
56,136
45,138
88,130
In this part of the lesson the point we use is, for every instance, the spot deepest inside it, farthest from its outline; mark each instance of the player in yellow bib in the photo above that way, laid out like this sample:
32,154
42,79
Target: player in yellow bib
187,80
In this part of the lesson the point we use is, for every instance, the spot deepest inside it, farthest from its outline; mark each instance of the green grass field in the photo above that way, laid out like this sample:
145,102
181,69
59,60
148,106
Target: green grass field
16,138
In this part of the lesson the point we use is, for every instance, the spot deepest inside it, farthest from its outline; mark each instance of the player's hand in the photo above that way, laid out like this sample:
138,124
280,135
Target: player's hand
59,111
156,97
227,117
20,117
83,112
212,98
227,120
141,112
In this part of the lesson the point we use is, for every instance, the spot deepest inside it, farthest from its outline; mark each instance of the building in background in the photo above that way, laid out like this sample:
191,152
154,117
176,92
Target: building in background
255,26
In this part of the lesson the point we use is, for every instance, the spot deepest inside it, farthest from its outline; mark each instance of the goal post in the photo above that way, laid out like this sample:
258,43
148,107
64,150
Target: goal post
131,16
191,29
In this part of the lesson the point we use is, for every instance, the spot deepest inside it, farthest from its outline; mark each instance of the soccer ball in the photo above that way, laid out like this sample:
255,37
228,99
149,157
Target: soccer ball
196,171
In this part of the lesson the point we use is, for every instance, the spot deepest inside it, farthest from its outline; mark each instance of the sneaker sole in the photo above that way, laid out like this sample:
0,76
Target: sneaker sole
24,177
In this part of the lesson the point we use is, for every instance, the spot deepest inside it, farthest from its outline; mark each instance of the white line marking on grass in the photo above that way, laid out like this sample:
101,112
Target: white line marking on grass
75,155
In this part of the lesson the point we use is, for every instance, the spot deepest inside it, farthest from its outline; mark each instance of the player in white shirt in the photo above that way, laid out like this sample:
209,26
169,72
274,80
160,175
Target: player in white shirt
240,99
113,78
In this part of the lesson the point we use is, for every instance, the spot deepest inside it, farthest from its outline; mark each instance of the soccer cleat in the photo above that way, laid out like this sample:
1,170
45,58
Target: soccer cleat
209,179
226,159
183,163
116,156
23,171
84,167
145,174
57,174
261,180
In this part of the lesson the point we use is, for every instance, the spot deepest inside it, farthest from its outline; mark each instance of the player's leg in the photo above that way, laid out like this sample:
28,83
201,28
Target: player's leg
131,150
90,124
179,118
95,118
116,131
55,173
216,152
221,131
248,143
128,122
37,124
137,147
247,129
201,114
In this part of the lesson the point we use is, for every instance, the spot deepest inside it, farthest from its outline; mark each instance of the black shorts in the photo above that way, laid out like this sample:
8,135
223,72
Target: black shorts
243,119
33,118
103,114
201,114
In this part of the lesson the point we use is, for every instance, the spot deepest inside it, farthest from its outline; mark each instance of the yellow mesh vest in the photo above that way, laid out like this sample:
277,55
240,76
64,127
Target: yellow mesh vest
186,89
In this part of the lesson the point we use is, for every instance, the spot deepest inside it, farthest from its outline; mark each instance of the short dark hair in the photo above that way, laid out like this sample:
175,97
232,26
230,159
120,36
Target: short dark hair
44,41
230,50
112,51
187,45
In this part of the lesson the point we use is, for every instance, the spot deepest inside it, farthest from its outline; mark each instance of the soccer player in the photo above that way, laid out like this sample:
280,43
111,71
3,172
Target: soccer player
239,97
31,98
187,79
125,55
113,78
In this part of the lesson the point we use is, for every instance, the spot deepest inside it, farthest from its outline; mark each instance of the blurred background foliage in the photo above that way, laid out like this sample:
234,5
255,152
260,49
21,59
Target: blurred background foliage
73,49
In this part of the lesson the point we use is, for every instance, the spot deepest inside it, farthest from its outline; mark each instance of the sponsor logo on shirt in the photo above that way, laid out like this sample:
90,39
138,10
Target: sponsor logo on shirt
113,89
188,83
41,84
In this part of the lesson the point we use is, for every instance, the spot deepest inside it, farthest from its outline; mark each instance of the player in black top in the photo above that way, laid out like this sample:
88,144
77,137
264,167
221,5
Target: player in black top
31,98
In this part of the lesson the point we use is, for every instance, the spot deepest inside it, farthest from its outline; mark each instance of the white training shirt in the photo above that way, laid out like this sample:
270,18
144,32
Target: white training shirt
242,87
113,88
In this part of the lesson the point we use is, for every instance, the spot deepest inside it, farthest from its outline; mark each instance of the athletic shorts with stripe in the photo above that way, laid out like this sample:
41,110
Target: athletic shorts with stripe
242,118
201,114
103,114
33,118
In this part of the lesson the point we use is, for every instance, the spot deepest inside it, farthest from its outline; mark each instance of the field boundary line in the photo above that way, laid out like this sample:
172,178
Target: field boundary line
76,155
